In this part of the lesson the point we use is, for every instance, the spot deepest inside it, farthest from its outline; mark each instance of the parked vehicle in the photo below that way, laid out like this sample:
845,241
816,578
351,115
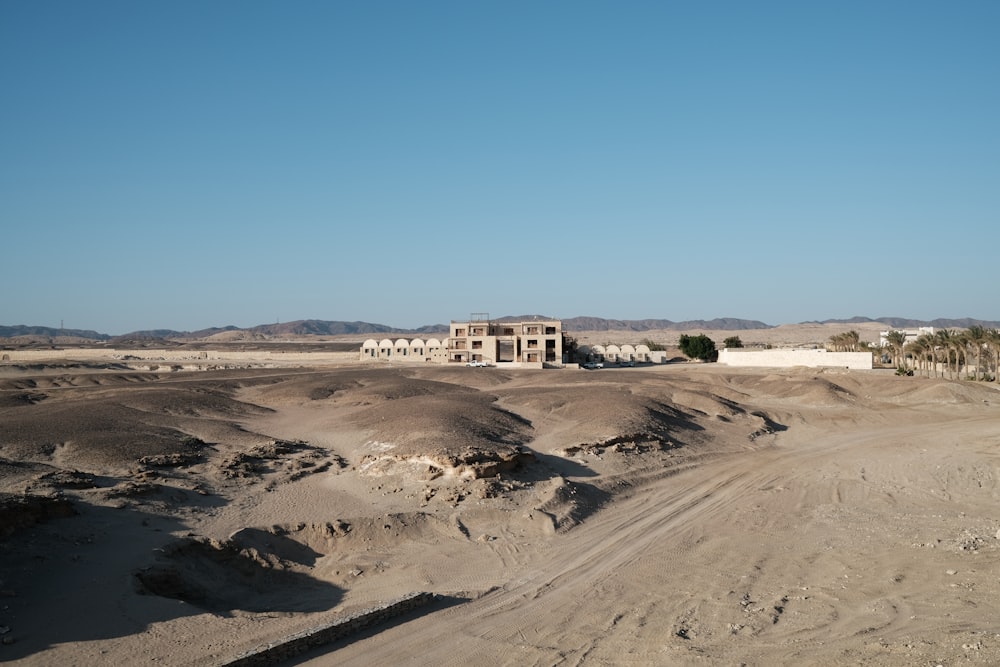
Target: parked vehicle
478,364
594,365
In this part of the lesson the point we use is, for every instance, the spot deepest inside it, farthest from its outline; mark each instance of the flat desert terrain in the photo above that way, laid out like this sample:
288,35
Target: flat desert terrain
681,514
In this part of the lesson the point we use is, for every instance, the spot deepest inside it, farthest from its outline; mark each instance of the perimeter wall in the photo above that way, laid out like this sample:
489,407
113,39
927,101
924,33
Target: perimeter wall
788,358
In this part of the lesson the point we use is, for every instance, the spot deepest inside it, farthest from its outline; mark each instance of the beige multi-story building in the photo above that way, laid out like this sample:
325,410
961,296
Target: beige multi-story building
483,340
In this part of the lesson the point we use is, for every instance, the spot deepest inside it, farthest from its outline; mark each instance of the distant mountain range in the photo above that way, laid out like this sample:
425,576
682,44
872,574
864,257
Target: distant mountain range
905,323
22,330
334,328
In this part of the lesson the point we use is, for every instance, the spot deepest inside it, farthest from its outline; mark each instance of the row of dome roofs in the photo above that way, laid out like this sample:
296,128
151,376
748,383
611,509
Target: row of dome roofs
434,343
403,344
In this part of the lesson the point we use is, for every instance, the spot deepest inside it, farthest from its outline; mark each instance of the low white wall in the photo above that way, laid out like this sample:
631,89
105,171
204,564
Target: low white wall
789,358
172,356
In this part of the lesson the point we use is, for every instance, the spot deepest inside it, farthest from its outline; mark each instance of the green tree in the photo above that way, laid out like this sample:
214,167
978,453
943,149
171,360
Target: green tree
570,347
698,347
732,342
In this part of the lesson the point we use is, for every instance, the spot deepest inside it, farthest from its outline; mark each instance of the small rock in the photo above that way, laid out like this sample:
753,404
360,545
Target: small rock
951,572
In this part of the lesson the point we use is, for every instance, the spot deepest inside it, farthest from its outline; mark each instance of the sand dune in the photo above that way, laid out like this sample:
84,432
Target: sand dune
683,514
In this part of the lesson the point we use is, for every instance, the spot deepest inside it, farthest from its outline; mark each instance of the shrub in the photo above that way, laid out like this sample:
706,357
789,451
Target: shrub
698,347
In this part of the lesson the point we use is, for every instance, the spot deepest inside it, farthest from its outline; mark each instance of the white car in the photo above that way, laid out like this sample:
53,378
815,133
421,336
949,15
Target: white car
478,364
594,364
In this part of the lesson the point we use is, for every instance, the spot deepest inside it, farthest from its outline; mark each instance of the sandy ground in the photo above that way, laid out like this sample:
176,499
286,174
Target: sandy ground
679,514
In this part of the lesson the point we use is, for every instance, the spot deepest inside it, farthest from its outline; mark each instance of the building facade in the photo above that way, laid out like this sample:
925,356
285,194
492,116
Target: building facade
483,340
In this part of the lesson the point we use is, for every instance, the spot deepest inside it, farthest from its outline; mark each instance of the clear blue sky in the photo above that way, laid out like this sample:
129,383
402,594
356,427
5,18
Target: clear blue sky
192,164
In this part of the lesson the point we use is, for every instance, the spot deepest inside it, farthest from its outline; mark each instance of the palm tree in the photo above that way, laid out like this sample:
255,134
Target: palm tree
916,350
947,339
993,339
896,340
931,342
976,337
852,340
926,342
958,343
848,341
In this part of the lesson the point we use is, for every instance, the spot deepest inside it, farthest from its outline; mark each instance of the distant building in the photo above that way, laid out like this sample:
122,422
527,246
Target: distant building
479,339
402,349
911,335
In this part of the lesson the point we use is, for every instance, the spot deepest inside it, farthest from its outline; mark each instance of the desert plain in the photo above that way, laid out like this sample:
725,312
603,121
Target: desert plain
674,514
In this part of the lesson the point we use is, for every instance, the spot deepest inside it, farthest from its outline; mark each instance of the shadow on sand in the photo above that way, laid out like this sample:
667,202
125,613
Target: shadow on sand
111,572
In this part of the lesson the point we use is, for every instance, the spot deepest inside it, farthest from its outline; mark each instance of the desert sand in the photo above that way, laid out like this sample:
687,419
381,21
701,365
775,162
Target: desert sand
681,514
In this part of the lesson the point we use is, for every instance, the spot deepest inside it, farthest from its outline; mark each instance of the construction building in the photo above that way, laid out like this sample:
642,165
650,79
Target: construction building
483,340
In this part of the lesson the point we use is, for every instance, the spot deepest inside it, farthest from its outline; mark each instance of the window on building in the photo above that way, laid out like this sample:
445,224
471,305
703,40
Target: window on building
477,345
532,342
550,331
508,331
459,332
